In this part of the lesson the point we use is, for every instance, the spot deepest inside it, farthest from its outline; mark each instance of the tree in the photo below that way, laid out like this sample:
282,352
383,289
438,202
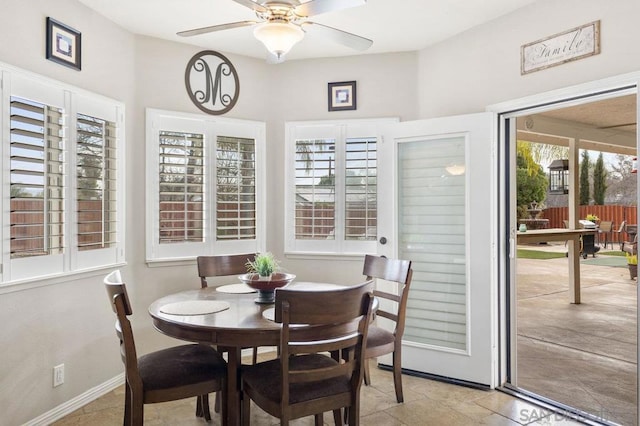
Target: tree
584,179
540,153
532,184
621,183
599,181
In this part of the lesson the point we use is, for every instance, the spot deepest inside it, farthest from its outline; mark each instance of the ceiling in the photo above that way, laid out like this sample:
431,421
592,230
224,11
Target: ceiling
393,25
607,125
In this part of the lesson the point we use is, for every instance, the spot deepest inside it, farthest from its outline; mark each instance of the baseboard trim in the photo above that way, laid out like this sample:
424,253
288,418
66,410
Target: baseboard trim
79,401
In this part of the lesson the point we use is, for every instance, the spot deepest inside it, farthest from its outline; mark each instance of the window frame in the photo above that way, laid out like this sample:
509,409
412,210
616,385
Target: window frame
211,127
72,100
340,131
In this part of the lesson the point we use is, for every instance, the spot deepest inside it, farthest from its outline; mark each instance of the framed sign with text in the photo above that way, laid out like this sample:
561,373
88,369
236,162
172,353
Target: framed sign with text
560,48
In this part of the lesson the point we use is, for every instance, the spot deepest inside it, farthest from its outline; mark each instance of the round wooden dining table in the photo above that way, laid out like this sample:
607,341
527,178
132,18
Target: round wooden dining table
243,324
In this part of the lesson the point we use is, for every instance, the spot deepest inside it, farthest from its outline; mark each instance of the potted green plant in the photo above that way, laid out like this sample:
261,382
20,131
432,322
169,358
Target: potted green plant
264,264
632,263
593,218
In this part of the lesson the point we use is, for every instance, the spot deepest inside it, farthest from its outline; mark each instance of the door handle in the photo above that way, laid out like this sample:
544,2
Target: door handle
383,240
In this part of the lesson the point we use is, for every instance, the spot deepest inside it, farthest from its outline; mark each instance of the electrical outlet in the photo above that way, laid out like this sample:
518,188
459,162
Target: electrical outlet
58,375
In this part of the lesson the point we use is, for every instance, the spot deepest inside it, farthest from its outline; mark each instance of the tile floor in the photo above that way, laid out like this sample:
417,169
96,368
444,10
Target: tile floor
427,402
581,355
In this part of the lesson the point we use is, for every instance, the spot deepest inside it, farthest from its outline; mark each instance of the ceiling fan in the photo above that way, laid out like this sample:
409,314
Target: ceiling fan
282,24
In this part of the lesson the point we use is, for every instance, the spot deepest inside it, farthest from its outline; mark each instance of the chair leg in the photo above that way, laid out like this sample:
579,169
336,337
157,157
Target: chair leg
223,397
397,374
137,410
202,407
127,404
216,403
318,419
255,356
367,374
354,414
337,417
245,410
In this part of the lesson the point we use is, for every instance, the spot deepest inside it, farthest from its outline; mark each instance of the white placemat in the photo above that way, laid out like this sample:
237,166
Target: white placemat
269,314
235,289
195,307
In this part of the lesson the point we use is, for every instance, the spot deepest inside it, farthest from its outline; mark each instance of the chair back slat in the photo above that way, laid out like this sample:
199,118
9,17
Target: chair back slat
220,266
387,269
322,306
324,321
117,292
389,296
392,270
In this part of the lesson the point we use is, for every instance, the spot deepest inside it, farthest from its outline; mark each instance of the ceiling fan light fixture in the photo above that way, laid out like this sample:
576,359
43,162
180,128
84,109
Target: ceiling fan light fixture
278,37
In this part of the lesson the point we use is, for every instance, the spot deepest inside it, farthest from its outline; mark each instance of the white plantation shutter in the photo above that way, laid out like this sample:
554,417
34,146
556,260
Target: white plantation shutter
235,188
332,187
315,189
64,201
96,183
432,211
37,179
205,186
361,189
181,187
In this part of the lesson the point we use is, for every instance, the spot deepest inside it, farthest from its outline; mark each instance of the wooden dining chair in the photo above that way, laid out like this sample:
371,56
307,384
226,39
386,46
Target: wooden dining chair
305,380
224,266
165,375
381,341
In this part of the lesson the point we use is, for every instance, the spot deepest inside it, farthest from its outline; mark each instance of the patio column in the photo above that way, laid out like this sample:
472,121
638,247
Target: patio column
574,206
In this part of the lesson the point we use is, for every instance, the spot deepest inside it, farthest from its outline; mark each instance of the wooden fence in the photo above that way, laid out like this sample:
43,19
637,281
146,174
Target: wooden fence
614,213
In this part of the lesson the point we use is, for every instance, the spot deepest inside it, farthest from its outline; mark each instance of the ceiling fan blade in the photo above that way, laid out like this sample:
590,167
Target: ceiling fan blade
316,7
618,125
348,39
214,28
252,5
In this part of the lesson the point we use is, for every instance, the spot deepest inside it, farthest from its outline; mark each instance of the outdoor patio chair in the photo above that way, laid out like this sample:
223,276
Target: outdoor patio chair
604,231
621,229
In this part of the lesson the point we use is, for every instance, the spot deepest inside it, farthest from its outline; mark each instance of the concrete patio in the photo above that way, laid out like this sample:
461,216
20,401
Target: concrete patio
585,355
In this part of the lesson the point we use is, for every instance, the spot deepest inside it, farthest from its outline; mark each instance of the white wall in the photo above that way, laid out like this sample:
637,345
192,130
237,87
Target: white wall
482,66
72,323
295,90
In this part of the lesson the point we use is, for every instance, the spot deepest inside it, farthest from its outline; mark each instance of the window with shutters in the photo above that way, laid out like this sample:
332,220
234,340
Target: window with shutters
206,180
36,183
235,189
332,202
64,206
181,183
96,182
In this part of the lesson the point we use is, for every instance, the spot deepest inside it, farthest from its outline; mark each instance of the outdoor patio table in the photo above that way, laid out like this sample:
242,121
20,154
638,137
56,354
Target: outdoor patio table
562,234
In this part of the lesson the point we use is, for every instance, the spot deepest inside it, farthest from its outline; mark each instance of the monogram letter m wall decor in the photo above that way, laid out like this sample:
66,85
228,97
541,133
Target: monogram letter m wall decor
212,82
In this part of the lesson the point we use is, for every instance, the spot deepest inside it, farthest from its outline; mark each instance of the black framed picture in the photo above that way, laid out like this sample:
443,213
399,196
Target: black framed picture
63,44
342,96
